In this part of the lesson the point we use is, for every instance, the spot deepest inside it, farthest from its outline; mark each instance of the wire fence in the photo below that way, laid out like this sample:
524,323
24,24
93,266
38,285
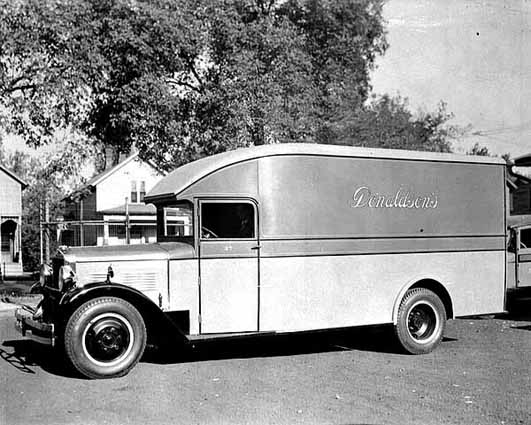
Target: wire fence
94,233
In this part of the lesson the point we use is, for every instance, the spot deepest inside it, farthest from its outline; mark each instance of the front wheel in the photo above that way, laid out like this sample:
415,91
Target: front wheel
105,338
421,321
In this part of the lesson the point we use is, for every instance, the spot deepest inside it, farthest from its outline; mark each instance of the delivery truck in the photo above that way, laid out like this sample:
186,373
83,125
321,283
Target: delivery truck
287,238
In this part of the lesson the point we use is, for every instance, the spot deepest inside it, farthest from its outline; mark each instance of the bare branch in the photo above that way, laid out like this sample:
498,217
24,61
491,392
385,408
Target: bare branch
190,64
176,82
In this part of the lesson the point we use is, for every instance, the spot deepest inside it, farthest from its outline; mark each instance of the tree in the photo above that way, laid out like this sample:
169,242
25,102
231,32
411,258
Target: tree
44,77
262,72
479,150
49,175
343,39
184,79
387,122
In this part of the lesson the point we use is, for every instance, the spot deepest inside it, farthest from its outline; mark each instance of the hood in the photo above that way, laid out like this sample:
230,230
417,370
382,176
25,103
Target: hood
162,251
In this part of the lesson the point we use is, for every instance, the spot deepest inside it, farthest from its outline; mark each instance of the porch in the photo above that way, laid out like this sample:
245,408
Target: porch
10,244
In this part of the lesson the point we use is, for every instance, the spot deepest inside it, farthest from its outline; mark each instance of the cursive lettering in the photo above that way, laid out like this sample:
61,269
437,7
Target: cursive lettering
402,198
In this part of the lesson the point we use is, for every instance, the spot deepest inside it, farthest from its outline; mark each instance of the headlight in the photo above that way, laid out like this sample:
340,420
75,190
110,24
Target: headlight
66,279
45,274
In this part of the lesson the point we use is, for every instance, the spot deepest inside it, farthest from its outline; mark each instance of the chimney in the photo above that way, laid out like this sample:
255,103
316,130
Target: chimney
109,157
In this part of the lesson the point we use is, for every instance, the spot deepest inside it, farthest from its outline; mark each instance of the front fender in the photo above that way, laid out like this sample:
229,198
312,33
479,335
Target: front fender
154,317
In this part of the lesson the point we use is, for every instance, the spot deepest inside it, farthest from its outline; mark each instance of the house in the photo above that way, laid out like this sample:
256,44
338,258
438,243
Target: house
11,187
109,209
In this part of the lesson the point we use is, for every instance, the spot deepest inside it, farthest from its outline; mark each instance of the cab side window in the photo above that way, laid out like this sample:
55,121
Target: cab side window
525,238
232,220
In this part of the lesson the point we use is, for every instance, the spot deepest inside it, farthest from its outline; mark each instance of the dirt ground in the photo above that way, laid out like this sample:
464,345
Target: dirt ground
479,375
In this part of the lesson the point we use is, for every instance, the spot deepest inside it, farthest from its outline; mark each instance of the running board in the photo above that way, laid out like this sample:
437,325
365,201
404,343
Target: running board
234,335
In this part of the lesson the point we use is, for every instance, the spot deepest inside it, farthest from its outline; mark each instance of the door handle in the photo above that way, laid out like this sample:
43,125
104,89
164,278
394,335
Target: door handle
256,247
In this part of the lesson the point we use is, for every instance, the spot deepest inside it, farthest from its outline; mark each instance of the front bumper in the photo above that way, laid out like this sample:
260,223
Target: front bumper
36,330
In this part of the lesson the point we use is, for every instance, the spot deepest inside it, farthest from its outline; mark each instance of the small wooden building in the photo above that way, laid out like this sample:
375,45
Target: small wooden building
11,187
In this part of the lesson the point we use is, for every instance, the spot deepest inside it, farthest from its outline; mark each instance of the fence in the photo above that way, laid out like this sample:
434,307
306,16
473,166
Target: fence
94,233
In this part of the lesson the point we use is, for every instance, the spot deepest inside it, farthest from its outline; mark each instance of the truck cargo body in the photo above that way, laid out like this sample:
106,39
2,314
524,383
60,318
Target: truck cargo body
341,238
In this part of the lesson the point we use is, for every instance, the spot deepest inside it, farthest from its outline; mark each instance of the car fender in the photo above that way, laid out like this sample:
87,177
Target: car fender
419,279
150,311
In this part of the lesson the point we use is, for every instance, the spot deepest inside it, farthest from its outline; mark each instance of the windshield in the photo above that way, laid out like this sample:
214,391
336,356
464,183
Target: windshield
175,221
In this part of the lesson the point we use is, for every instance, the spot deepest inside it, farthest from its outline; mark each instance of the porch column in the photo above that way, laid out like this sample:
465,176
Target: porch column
16,240
1,259
19,241
105,232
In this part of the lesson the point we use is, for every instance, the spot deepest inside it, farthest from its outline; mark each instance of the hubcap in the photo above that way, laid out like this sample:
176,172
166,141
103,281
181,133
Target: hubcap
108,338
422,322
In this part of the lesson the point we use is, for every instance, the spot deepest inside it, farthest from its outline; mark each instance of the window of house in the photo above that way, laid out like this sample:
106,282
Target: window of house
138,191
235,220
142,192
134,198
177,221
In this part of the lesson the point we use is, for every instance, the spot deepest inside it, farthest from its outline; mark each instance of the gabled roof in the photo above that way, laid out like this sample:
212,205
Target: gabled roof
102,176
188,174
13,176
97,179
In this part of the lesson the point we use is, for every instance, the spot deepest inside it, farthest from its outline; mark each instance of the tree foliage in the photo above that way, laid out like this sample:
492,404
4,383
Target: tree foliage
188,78
479,150
183,79
49,175
387,122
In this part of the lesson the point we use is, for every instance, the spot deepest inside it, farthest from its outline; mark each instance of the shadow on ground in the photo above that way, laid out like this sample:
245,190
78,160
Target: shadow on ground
16,288
26,356
374,339
519,310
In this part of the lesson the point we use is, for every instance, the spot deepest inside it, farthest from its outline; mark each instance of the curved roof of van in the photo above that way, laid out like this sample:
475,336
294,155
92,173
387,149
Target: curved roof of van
186,175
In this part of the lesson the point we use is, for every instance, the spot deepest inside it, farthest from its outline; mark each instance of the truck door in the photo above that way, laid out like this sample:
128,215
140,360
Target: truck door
523,256
228,265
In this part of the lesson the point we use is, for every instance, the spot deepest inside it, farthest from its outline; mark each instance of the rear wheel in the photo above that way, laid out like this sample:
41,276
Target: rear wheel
421,321
105,338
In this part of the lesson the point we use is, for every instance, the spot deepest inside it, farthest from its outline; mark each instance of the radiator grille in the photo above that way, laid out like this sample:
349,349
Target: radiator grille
144,276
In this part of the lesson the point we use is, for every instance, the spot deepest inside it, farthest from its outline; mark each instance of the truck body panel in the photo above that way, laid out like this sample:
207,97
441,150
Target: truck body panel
298,237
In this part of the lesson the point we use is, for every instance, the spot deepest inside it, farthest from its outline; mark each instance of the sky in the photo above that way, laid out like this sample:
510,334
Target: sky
474,55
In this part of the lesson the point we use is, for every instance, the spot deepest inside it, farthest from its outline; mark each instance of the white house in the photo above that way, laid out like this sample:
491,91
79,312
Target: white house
11,187
99,212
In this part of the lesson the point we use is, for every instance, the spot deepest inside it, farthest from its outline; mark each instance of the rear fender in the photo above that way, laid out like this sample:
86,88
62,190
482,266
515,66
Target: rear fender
432,283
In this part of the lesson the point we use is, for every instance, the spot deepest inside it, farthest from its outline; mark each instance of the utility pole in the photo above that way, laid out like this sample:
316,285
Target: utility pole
127,223
81,227
47,230
41,233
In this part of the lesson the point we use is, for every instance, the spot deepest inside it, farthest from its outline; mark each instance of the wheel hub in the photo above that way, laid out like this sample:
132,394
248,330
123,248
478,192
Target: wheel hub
421,321
107,339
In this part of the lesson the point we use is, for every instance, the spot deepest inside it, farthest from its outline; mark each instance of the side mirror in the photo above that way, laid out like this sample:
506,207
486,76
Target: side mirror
511,240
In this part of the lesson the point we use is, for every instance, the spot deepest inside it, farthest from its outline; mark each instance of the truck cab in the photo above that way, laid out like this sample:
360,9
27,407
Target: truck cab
519,258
